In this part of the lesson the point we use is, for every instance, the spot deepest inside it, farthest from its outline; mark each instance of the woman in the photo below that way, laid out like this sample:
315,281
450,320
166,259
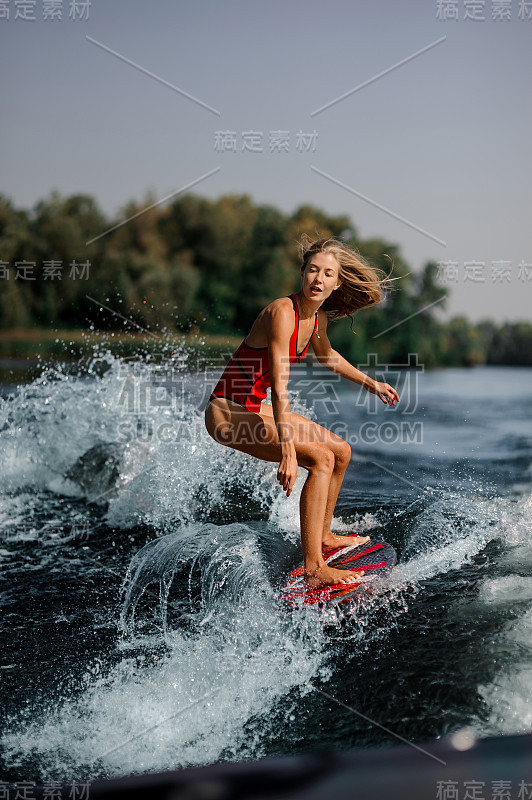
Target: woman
336,281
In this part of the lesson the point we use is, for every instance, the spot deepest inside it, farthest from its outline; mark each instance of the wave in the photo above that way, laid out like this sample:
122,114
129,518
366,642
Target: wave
208,665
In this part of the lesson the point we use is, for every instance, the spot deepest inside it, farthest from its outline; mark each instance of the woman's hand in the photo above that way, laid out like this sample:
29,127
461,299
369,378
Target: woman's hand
386,392
287,472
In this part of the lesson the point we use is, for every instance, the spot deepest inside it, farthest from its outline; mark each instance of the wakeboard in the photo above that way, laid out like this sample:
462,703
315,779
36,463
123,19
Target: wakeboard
374,557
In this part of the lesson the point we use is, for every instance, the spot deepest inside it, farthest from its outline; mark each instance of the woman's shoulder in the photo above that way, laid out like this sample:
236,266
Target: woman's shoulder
280,304
277,316
275,319
280,309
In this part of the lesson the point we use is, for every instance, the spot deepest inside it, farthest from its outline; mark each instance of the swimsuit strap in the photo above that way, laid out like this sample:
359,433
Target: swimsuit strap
294,301
299,356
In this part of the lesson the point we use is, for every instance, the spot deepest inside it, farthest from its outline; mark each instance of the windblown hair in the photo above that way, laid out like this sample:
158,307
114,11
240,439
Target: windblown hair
362,285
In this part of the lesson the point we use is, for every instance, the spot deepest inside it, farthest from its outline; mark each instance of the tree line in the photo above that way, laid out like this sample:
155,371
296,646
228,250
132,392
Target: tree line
209,266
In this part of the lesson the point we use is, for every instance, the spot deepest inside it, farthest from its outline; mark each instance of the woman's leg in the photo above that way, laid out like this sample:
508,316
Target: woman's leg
256,434
342,457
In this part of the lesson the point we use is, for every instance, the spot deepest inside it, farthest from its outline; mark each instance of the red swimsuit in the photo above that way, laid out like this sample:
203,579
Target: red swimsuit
247,375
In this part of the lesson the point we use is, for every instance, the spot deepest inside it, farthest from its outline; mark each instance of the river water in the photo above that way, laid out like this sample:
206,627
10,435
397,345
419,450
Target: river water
141,565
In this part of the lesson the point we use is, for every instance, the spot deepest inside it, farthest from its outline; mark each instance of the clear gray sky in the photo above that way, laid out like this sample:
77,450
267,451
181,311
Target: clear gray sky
433,155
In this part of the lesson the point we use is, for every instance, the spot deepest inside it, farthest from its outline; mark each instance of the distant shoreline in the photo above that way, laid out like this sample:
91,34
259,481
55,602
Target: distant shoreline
19,346
25,351
81,335
16,343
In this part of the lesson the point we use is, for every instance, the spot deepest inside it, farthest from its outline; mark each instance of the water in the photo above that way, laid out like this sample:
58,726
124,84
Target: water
142,627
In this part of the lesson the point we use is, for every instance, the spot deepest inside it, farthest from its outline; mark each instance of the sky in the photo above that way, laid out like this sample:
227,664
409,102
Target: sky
413,118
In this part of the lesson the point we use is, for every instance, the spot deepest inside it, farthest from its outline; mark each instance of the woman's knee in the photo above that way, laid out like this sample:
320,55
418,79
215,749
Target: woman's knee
322,459
342,455
218,427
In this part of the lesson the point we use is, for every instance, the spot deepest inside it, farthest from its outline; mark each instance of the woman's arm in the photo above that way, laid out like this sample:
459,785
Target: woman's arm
279,322
338,364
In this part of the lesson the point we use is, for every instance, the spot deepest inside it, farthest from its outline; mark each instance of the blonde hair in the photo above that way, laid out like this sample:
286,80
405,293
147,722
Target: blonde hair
362,285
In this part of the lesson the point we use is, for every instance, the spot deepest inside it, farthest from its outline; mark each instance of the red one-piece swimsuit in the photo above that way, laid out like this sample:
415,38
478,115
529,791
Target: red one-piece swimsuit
247,375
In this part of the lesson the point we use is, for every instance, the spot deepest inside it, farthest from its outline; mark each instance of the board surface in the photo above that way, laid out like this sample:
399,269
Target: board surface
374,557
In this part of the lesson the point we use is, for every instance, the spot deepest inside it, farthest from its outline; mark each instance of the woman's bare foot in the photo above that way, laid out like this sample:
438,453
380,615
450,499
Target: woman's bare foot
331,542
326,576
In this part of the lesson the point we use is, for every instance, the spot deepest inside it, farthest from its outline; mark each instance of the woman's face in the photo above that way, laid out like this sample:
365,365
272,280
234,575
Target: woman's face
321,276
